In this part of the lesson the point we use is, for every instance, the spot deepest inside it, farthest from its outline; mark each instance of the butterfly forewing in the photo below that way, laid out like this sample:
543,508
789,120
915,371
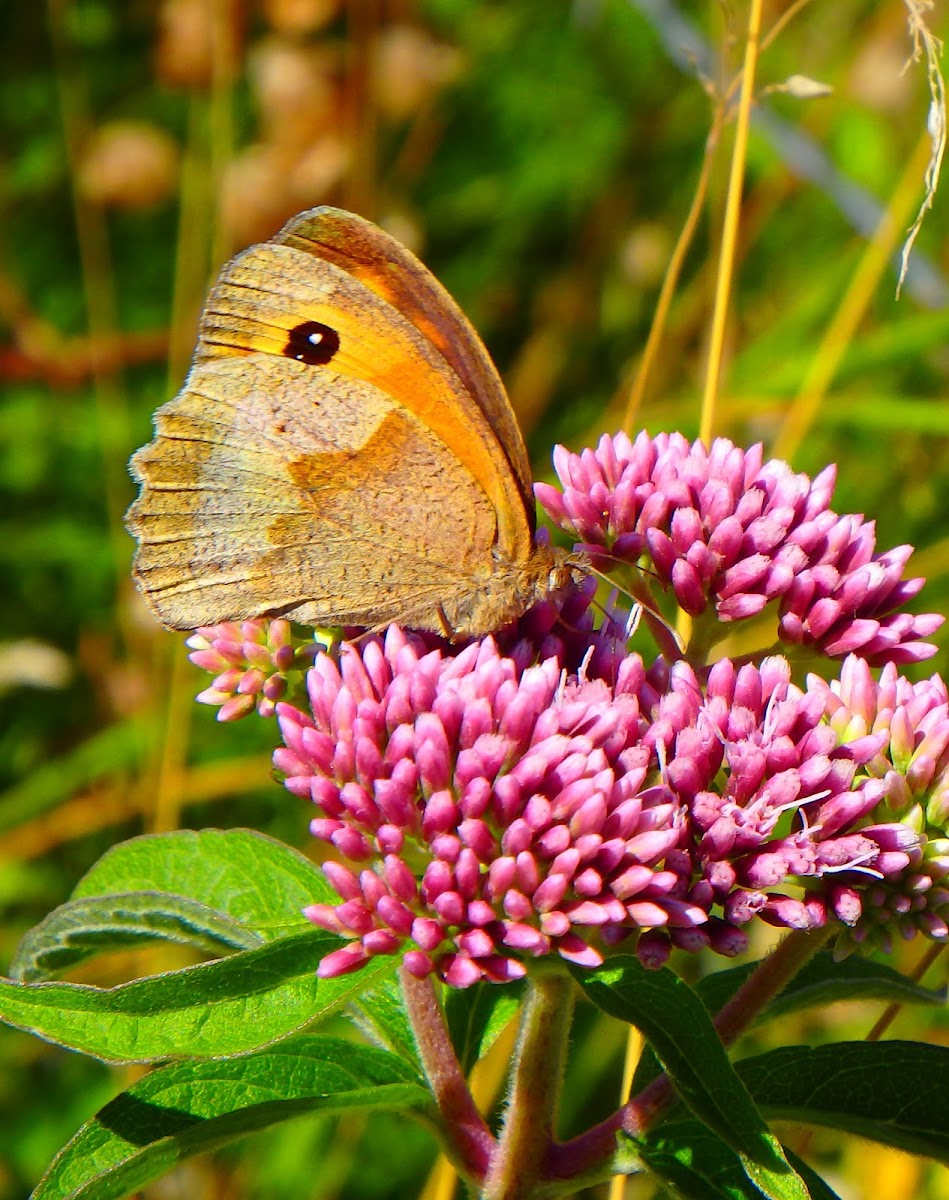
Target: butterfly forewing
268,293
387,268
342,451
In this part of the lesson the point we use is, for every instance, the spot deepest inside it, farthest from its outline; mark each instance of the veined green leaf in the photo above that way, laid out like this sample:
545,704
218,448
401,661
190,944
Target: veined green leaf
678,1027
895,1092
185,1109
236,1004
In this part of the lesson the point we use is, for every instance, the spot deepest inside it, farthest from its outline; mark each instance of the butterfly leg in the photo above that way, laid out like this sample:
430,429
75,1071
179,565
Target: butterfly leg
447,630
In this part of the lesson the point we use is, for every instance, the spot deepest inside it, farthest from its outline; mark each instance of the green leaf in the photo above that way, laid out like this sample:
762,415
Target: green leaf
680,1030
823,981
477,1015
820,981
818,1187
80,928
693,1164
217,891
895,1092
381,1014
185,1109
780,1183
230,1006
242,874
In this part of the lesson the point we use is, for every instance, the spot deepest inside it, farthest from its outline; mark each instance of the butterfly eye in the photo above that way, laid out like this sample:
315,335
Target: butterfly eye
312,343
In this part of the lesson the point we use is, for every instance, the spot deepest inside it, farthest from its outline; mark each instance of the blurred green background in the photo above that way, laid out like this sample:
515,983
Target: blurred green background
542,157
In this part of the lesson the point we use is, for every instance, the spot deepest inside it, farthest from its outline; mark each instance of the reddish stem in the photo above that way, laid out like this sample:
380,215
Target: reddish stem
470,1144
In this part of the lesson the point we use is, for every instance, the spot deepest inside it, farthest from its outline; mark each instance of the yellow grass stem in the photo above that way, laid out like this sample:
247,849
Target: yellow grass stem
730,227
191,269
873,262
172,754
199,245
634,1050
225,68
673,271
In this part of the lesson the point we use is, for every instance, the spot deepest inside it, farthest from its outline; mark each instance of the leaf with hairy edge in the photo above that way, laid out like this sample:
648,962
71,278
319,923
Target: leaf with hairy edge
679,1028
79,929
217,891
840,1086
185,1109
820,981
818,1187
381,1015
236,1004
242,874
693,1164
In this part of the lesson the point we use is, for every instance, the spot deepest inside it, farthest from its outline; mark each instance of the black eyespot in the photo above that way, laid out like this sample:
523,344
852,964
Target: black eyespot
312,343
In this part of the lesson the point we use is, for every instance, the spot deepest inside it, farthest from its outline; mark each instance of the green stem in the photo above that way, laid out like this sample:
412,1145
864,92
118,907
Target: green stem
537,1075
770,977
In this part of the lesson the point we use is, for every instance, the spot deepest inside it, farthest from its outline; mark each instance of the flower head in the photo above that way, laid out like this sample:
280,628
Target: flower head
505,812
729,533
771,792
252,662
544,792
905,884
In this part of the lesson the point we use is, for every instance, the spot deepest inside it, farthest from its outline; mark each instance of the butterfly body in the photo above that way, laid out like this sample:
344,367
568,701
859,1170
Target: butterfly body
342,452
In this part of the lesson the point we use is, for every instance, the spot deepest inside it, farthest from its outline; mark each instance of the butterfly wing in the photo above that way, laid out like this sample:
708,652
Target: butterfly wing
392,272
342,451
277,487
268,298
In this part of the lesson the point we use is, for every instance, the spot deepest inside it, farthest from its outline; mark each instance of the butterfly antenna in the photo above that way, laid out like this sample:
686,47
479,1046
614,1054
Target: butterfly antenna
639,606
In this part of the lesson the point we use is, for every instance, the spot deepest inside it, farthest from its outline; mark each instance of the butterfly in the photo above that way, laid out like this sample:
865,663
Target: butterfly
342,452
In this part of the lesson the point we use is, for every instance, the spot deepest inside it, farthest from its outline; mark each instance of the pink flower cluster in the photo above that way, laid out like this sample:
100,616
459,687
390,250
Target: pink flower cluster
543,792
788,802
251,662
906,889
504,811
727,532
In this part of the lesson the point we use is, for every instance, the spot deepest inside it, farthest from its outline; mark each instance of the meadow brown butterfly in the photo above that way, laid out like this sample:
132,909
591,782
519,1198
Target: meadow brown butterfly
342,452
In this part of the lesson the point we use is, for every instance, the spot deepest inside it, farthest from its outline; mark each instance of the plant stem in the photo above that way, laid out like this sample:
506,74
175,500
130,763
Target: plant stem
730,229
769,978
733,1018
535,1089
470,1144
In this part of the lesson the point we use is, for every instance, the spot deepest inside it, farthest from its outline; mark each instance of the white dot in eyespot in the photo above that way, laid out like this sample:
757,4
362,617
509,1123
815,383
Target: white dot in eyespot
315,338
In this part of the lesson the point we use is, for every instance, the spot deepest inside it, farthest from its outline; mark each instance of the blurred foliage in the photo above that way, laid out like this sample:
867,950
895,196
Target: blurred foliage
542,156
